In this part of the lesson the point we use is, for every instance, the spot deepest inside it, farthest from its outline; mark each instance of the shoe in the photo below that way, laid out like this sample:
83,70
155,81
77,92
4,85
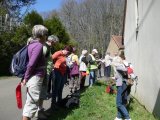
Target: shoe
54,107
42,116
118,118
127,119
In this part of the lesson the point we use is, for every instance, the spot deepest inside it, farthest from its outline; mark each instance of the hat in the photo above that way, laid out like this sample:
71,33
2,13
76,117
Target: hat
84,52
95,50
53,38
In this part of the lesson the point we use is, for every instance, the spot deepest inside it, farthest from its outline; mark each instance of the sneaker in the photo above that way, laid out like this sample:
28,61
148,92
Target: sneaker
127,119
118,118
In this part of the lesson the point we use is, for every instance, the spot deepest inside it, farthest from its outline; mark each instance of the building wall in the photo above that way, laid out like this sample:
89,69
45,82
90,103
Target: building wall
112,47
143,51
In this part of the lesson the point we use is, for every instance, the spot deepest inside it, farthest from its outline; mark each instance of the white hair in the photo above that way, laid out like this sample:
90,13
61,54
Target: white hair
39,31
53,38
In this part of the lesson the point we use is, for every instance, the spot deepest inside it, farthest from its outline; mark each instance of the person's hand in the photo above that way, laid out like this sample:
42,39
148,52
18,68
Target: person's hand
23,83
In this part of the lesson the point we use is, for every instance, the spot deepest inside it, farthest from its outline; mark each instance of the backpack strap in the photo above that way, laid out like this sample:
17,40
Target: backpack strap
31,97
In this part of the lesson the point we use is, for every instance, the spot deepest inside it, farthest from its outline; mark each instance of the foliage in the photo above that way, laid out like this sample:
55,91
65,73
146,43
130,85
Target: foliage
33,18
21,35
55,27
7,48
25,30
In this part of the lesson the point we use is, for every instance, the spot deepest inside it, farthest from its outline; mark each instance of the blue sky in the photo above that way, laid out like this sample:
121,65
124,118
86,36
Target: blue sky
46,5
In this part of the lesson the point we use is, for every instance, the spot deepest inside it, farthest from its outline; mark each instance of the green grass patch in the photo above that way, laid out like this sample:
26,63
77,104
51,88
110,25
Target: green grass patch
95,104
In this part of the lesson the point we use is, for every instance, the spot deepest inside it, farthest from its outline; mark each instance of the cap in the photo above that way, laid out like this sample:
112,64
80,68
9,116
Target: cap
95,50
84,52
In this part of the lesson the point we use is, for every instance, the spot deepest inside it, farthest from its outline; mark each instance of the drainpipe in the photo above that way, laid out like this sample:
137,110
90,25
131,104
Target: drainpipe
124,20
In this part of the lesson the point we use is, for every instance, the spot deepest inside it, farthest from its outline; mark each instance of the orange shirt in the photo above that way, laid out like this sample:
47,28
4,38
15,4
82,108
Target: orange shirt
60,61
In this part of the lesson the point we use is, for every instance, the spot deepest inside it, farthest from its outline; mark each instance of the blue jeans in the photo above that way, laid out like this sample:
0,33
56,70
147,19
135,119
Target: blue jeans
58,86
121,101
92,77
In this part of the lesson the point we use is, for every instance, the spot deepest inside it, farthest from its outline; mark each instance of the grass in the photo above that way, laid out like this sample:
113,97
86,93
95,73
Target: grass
95,104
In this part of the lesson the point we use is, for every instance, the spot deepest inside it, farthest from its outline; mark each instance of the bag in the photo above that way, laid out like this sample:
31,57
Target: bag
70,101
129,70
19,96
69,61
75,69
19,62
110,90
123,73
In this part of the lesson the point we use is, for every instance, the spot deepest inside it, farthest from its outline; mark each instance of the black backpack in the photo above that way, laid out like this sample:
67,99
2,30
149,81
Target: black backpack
19,62
71,101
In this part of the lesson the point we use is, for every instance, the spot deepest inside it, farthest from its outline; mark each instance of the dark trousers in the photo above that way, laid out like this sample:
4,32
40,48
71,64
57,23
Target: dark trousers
58,86
82,79
107,71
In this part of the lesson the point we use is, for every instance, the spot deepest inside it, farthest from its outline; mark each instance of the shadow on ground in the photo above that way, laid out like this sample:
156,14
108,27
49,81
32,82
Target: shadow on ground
62,112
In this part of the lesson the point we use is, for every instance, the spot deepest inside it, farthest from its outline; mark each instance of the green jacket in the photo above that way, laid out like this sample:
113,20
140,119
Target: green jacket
49,63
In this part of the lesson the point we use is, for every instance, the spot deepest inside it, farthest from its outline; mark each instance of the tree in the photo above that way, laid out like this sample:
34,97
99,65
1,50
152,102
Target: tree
7,48
55,27
33,18
14,7
92,22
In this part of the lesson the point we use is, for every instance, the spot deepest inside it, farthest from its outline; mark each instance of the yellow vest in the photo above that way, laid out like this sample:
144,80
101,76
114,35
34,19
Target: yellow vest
93,66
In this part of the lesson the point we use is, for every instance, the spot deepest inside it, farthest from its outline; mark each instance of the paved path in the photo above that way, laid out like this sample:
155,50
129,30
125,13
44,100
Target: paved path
8,106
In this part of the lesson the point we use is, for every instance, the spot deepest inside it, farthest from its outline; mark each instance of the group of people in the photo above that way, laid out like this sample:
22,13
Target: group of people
47,73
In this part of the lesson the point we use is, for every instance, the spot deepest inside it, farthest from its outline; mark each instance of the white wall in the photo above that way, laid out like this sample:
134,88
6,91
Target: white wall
144,52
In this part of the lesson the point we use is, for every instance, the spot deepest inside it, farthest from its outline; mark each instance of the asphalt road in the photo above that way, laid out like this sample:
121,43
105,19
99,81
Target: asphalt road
8,105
